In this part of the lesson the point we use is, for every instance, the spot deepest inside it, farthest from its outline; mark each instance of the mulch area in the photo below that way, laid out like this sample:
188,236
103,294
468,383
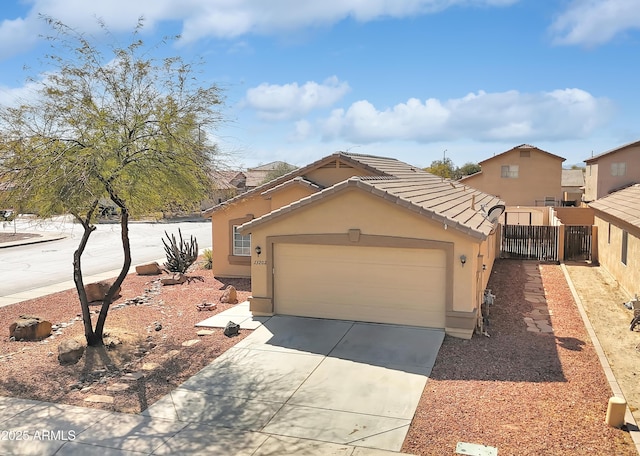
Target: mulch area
522,392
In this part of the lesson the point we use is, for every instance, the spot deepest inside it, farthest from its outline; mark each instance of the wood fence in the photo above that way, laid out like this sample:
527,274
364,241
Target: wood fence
530,242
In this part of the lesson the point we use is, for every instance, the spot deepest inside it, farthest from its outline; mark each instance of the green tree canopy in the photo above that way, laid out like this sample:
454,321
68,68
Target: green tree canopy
120,127
447,169
443,168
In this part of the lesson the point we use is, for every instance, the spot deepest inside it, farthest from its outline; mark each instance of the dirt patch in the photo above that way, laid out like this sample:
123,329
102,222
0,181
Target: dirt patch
603,299
143,358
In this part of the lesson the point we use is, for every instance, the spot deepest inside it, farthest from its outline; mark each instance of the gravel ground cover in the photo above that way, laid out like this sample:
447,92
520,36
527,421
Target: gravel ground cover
520,391
31,369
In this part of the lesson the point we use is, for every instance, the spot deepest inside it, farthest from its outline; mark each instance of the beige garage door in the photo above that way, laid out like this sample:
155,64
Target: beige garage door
377,284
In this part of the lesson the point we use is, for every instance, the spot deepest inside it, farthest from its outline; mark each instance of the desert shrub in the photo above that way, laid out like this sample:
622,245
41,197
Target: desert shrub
208,259
180,255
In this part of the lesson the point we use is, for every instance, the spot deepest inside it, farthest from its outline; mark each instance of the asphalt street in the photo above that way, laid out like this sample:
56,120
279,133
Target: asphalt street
32,266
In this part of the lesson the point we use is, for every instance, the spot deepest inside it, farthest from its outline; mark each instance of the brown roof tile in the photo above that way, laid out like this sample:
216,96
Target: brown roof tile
623,205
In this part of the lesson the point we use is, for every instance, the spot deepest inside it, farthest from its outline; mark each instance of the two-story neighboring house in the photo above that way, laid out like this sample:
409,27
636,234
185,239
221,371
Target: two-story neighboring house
522,176
612,170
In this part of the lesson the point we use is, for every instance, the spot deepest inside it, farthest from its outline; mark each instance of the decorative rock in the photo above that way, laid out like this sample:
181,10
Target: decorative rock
70,351
98,290
99,398
205,332
117,387
207,306
150,366
230,295
176,279
170,354
29,327
190,343
133,376
148,269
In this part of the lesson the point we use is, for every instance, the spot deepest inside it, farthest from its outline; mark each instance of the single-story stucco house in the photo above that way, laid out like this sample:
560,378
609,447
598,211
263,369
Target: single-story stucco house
617,217
360,237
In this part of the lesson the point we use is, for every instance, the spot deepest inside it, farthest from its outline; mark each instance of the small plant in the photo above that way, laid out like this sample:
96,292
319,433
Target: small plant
208,259
180,255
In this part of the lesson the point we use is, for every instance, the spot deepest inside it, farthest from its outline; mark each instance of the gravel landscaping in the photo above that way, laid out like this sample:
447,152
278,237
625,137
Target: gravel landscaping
522,391
534,387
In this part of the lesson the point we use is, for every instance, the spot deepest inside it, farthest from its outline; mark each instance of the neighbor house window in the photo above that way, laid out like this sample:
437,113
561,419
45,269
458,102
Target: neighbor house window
625,240
525,153
618,169
609,234
509,171
241,244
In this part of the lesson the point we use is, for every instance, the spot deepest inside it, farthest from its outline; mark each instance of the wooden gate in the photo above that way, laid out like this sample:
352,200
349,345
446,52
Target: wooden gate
530,242
577,243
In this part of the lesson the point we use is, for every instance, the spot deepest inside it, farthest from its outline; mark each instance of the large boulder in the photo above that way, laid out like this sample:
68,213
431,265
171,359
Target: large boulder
30,327
229,295
148,269
98,290
70,351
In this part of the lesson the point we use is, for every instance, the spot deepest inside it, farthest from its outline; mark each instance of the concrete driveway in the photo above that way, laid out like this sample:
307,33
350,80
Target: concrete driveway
301,383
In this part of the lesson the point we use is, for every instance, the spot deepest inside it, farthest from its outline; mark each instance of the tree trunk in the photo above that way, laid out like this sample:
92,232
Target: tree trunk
126,248
89,334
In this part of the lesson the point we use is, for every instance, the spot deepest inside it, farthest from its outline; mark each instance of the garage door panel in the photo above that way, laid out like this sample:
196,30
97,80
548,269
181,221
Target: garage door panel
386,285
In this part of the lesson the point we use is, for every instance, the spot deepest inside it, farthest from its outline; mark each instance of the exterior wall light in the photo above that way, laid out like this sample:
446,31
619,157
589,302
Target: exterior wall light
258,250
463,260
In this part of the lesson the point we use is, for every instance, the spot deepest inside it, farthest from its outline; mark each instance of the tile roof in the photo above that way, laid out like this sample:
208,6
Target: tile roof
623,205
365,161
450,203
526,147
611,151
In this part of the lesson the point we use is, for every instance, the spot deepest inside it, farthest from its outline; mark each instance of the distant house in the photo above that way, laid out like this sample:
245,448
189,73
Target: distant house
257,175
226,185
522,176
617,217
572,187
612,170
361,237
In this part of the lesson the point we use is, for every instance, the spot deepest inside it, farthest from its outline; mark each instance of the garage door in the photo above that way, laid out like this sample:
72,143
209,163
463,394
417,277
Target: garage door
376,284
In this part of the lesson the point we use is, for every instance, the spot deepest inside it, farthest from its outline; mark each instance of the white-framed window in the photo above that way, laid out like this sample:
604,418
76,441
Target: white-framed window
618,169
241,244
509,171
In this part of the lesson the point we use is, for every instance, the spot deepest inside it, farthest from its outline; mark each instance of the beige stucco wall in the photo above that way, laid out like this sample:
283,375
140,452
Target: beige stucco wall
253,207
610,249
256,205
523,215
575,215
355,209
599,181
539,176
328,176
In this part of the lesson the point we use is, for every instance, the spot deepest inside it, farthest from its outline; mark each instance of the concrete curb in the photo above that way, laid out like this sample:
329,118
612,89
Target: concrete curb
33,240
632,426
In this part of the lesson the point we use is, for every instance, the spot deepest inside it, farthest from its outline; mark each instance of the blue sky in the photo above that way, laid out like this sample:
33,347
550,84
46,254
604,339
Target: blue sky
411,79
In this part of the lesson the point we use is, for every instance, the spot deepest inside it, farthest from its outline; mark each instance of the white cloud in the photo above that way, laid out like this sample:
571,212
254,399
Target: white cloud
512,116
278,102
303,130
215,18
592,22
